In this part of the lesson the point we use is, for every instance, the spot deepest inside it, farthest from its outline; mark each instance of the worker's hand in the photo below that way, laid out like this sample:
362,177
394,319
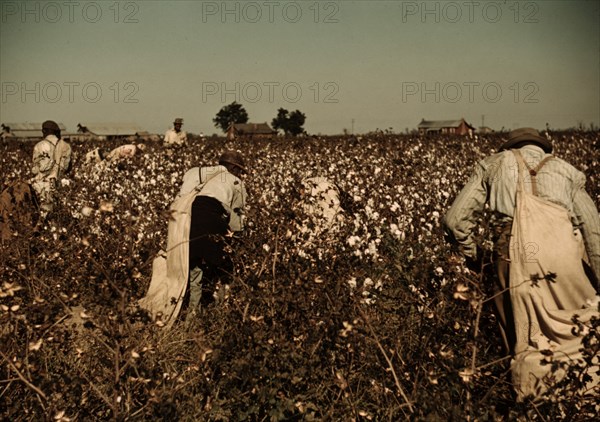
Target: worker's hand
473,264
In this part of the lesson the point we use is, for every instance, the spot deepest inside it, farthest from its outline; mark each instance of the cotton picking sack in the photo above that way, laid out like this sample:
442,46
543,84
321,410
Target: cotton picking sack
170,269
548,287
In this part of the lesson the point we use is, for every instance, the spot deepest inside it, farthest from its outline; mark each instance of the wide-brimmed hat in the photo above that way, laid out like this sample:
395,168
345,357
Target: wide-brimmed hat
523,135
50,125
178,120
234,158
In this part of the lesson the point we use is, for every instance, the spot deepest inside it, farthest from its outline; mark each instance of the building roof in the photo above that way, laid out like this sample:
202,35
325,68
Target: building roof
254,128
27,127
109,129
25,133
439,124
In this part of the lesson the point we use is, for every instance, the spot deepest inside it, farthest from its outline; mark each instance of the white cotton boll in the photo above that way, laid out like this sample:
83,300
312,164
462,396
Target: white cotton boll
372,248
367,301
87,211
65,182
353,240
352,282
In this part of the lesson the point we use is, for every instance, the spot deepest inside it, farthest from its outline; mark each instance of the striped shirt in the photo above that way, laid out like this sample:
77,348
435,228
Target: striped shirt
495,181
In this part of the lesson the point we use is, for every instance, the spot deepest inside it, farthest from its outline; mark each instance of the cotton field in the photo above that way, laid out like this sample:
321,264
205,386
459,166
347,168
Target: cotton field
372,316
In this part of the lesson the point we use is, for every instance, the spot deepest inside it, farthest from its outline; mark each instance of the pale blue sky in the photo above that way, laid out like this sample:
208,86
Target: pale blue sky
382,63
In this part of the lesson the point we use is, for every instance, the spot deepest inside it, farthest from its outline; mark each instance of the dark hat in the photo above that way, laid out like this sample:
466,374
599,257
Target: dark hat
50,125
178,120
518,137
234,158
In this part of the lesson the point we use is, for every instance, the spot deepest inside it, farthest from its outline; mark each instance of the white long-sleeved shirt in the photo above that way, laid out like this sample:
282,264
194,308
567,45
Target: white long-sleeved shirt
173,138
51,158
216,182
495,181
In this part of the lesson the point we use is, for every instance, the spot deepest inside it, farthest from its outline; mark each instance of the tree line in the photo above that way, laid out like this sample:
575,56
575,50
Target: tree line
291,123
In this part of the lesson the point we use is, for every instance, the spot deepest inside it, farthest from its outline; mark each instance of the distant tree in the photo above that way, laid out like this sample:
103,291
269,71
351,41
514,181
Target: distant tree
290,123
232,113
280,121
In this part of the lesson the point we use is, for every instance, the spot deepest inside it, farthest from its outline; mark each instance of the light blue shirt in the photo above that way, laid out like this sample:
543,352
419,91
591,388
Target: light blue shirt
495,181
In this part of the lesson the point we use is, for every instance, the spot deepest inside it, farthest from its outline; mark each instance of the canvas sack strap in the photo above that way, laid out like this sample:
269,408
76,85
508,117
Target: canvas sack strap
532,171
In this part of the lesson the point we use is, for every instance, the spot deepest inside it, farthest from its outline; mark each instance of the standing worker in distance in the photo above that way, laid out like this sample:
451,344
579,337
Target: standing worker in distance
176,137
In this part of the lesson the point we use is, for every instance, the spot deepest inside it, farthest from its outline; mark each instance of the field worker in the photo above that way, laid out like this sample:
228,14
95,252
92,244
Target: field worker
94,156
176,137
318,210
51,161
209,205
124,151
321,199
324,199
548,223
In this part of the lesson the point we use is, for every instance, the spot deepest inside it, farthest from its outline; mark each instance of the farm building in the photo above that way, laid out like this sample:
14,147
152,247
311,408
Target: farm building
484,130
147,136
108,131
25,131
250,131
454,127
